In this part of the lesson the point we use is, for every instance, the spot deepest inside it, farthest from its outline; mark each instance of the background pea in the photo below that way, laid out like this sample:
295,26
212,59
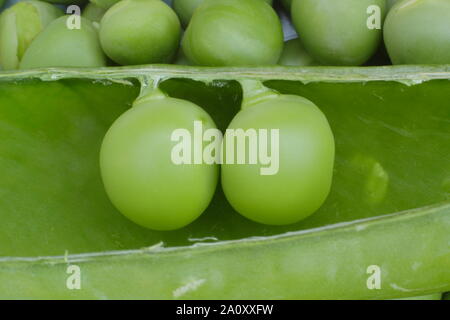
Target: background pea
59,46
185,9
336,32
306,159
233,33
137,170
93,12
19,25
418,32
294,54
140,32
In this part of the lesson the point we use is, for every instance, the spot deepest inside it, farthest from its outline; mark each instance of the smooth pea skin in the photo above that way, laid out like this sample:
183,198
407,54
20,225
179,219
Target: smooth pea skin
294,54
93,12
418,32
233,33
336,32
19,26
306,159
59,46
136,32
185,9
139,175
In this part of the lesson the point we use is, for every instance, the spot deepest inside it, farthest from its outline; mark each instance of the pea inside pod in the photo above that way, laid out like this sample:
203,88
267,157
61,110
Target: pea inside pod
139,172
61,46
233,33
294,148
19,26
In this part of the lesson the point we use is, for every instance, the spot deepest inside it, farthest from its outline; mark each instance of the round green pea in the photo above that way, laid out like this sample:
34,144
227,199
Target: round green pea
19,26
306,159
62,46
294,54
185,9
139,175
136,32
418,32
336,32
233,33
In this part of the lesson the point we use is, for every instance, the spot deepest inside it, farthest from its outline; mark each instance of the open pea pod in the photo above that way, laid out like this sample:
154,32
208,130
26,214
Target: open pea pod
383,233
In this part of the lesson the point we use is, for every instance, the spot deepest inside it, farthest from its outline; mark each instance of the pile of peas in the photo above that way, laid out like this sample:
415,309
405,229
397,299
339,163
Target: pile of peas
37,34
139,176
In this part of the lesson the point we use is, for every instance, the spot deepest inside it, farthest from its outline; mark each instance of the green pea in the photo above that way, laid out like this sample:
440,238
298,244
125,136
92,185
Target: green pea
418,32
19,25
60,46
138,172
185,9
93,12
233,33
140,32
337,32
305,159
294,54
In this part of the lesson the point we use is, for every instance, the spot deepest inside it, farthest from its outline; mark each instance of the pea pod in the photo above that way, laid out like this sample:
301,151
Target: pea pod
435,296
387,214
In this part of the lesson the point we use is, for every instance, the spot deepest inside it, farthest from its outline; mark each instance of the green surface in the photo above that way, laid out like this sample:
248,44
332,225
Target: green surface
418,32
339,33
60,46
140,171
234,33
392,136
135,32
